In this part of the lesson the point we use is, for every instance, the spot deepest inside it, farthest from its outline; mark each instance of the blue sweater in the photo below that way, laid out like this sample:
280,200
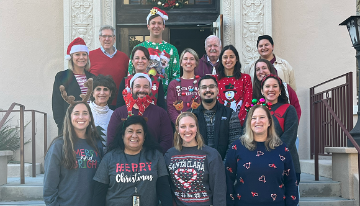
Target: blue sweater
262,177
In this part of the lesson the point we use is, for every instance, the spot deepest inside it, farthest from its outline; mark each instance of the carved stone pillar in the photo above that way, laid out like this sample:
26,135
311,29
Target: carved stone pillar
83,18
244,21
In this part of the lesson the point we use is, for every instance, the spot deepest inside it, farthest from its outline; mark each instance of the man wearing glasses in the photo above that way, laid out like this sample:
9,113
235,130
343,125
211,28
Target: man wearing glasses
107,60
219,125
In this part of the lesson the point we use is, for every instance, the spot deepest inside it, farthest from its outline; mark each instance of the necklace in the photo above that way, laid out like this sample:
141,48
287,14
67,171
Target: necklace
179,103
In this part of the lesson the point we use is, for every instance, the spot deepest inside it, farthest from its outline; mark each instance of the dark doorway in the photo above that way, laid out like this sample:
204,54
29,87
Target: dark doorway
190,37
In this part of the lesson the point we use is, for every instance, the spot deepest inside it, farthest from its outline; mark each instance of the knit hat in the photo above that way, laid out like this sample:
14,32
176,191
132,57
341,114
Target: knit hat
165,55
158,11
137,75
77,45
154,54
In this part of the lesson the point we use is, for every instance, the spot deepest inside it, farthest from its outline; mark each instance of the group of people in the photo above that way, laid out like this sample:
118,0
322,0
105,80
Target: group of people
175,130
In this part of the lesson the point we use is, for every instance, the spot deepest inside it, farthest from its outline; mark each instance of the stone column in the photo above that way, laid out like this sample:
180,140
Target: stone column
83,18
244,21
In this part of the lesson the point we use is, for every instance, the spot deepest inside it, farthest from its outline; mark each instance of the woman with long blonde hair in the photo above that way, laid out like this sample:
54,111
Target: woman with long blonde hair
259,168
196,170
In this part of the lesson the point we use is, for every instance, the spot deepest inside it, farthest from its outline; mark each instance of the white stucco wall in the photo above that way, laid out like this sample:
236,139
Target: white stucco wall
307,35
31,53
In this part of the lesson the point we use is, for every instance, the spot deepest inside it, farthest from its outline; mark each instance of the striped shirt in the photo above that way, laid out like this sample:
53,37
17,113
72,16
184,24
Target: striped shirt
81,79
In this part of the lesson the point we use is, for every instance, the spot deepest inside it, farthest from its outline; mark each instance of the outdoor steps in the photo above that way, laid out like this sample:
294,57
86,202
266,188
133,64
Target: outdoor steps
324,192
14,169
22,203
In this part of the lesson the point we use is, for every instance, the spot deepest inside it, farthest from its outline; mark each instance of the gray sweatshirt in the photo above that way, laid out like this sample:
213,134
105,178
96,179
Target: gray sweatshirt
70,187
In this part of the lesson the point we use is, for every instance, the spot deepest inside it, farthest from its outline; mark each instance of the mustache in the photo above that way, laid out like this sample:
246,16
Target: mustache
208,92
213,51
145,93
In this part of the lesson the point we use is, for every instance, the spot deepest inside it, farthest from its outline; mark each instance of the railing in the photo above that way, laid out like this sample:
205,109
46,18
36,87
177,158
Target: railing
22,127
331,117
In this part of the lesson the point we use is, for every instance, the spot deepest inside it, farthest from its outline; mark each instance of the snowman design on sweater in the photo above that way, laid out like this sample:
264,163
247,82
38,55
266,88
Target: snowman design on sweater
230,101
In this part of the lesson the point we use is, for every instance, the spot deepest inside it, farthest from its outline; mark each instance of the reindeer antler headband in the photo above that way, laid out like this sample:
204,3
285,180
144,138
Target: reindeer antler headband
85,97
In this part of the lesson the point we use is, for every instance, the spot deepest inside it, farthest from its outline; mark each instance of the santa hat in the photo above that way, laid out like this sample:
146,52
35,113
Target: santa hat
154,54
137,75
165,55
77,45
158,11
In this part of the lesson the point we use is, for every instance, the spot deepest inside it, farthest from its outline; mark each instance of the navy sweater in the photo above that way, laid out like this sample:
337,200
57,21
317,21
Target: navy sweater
262,177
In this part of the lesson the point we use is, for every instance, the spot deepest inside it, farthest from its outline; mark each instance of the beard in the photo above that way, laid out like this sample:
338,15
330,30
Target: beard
135,96
208,101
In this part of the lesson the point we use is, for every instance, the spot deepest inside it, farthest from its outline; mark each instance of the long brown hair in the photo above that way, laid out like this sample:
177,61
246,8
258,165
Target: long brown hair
257,83
272,140
69,157
178,142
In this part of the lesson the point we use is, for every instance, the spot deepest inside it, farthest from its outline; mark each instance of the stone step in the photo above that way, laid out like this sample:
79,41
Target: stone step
31,190
21,203
14,169
325,201
325,187
325,167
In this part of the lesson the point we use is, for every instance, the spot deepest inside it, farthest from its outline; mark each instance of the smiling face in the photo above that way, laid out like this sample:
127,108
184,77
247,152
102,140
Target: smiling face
107,39
140,88
229,95
79,59
259,122
271,90
208,90
140,62
187,129
101,95
213,48
261,70
265,49
133,138
156,26
80,118
188,63
229,60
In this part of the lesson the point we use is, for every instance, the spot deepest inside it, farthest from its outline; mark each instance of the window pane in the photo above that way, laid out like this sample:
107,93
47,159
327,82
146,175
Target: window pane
203,1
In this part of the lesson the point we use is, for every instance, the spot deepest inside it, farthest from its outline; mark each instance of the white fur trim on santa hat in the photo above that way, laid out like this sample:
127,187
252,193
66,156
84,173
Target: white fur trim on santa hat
137,75
158,11
79,48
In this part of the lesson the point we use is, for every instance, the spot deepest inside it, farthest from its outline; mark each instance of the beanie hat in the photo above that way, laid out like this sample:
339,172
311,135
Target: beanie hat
137,75
77,45
158,11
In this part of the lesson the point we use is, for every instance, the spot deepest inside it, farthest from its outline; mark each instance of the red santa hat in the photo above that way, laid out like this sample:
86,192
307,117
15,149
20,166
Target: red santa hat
154,54
165,55
158,11
77,45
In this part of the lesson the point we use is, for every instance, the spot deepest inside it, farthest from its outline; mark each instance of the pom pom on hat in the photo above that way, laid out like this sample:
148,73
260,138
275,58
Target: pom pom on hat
158,11
77,45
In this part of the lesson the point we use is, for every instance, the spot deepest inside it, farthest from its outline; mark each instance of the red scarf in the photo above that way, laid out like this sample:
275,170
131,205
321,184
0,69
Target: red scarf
142,103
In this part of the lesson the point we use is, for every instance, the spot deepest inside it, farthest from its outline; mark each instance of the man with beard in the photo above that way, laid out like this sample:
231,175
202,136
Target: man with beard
219,125
138,102
209,63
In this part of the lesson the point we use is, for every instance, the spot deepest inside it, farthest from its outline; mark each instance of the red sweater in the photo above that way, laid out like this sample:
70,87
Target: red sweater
115,67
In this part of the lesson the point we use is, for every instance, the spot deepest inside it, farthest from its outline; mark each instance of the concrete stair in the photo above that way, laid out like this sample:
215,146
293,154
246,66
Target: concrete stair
324,192
30,193
14,169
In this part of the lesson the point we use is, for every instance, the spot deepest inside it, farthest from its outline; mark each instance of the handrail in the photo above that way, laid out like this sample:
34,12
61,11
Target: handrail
11,109
2,122
347,133
330,80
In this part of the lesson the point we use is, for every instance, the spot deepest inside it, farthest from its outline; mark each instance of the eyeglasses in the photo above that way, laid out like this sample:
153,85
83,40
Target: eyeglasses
107,36
211,86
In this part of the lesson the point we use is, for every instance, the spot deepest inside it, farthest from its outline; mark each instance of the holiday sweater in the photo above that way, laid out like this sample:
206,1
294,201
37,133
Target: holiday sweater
102,115
158,123
235,93
123,172
64,186
156,94
286,127
185,90
116,67
261,177
169,69
197,176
